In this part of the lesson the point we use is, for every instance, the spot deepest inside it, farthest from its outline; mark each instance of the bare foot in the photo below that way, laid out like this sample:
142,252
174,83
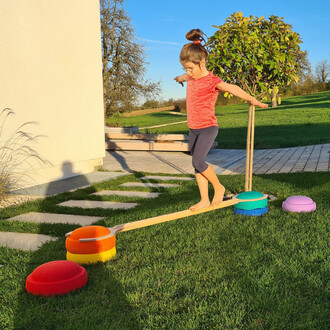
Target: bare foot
218,196
199,206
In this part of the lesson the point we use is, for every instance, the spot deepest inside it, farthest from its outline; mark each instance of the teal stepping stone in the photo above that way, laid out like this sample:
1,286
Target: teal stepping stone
253,204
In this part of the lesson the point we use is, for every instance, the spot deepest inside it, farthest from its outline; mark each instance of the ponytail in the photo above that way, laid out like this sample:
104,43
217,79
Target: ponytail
194,51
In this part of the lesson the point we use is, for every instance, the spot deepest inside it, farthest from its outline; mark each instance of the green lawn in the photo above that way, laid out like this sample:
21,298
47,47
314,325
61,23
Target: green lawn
298,121
215,270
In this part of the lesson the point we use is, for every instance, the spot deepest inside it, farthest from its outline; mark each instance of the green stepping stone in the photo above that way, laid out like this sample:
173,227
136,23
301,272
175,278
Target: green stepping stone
253,205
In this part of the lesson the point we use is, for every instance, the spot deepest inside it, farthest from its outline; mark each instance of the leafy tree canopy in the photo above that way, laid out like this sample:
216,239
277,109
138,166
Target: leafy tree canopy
260,55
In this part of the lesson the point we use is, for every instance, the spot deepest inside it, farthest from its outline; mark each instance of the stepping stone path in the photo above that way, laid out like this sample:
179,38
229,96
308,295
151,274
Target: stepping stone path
56,218
87,204
166,178
24,241
149,185
126,193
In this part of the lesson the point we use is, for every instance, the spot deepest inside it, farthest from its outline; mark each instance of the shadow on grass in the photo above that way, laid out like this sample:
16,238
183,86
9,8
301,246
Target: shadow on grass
240,253
307,184
307,180
269,137
100,304
306,105
311,100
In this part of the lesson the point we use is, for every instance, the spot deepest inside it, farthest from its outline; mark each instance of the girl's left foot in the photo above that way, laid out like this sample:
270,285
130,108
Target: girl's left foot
199,206
218,196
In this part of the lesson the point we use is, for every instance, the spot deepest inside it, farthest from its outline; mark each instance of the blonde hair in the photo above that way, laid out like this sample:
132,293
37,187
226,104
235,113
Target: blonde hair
194,51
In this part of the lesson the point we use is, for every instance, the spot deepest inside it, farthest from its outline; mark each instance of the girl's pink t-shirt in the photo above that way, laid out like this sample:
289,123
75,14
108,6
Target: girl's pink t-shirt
202,94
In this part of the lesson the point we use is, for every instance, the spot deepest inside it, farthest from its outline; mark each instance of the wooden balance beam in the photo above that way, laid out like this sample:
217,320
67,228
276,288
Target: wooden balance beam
165,218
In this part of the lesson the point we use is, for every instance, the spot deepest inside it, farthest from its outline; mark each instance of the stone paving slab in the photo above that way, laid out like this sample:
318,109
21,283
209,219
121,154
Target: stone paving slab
69,184
24,241
127,193
85,204
149,185
166,178
36,217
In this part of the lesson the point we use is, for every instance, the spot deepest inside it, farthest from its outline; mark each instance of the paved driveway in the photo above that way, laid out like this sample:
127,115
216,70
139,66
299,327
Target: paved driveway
224,161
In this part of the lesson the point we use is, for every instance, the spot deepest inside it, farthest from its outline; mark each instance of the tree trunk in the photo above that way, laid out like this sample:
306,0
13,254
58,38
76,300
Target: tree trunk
274,99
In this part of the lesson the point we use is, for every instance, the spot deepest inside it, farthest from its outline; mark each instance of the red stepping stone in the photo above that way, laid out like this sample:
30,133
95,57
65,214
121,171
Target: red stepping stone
56,278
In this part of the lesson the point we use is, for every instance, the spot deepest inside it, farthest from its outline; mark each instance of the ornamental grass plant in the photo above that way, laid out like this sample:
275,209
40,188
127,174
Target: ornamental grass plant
16,154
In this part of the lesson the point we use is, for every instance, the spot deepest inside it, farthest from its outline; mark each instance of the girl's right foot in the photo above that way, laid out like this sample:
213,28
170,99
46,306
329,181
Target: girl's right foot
199,206
218,196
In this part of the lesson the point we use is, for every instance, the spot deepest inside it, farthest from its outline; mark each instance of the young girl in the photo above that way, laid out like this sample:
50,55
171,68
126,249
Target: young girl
202,92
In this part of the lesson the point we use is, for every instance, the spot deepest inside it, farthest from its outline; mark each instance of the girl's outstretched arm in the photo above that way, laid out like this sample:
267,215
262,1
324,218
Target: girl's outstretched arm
237,91
181,79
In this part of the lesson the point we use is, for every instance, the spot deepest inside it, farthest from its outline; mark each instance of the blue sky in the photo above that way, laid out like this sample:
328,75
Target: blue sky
161,26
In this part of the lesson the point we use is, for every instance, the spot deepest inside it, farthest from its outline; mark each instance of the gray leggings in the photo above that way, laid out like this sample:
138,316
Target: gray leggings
200,142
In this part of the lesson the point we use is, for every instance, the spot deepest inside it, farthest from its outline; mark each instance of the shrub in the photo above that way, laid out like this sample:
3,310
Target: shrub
150,104
180,105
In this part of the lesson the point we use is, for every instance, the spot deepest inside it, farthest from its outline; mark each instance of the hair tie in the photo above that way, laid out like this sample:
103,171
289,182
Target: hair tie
197,41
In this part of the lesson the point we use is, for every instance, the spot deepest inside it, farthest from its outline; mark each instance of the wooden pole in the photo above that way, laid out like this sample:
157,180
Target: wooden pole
251,147
248,146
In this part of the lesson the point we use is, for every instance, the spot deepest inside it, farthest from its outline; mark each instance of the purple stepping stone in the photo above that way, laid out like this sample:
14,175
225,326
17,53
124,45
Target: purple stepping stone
299,204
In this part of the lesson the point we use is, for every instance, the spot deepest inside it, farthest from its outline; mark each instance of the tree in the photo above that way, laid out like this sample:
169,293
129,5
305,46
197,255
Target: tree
257,54
306,79
123,60
322,71
305,70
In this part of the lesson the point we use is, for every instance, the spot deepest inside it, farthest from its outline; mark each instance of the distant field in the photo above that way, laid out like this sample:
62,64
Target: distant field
298,121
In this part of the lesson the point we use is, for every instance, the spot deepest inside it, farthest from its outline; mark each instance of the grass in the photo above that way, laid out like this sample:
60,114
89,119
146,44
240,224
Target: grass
298,121
151,119
211,271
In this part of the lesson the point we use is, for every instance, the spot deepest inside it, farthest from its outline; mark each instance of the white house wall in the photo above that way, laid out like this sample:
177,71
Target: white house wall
51,72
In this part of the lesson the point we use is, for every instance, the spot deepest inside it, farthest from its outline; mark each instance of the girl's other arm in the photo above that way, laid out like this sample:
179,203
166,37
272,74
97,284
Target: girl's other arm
181,79
237,91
